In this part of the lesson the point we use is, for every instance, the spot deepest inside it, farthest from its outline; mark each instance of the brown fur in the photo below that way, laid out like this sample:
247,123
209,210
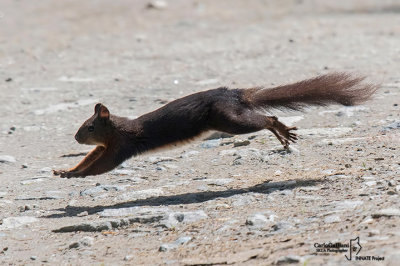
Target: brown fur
339,88
234,111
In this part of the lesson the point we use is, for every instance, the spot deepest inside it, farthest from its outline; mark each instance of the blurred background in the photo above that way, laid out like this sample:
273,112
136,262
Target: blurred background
153,43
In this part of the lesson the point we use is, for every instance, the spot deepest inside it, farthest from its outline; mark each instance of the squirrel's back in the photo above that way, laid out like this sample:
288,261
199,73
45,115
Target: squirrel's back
183,118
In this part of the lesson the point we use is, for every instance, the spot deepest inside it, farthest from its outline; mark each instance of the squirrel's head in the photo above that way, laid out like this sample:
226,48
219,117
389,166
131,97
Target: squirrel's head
95,130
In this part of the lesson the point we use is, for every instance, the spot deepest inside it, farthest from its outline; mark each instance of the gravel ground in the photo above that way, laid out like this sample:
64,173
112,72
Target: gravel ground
237,200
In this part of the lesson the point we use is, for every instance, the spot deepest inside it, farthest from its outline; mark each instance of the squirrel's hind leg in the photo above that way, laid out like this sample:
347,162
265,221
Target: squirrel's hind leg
248,121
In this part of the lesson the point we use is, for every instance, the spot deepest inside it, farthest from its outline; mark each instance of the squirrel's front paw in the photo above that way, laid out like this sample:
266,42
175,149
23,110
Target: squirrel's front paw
65,173
58,172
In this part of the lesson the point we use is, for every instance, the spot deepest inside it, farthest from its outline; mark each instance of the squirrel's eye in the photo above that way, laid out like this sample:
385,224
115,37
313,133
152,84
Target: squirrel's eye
91,128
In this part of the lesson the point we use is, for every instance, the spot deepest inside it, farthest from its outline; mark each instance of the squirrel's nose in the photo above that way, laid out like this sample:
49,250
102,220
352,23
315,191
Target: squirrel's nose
76,137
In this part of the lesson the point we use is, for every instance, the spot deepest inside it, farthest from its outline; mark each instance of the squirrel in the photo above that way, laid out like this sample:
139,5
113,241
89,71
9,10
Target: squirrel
234,111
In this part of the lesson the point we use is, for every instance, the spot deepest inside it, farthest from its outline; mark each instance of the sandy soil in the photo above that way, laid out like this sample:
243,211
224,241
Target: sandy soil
211,202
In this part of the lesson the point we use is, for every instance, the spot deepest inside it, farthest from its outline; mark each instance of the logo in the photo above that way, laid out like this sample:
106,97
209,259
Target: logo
354,248
351,249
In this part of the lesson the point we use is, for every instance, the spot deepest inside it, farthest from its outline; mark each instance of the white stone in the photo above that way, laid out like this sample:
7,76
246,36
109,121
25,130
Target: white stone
346,110
219,182
290,120
7,159
333,132
14,222
370,183
65,106
141,194
332,219
229,152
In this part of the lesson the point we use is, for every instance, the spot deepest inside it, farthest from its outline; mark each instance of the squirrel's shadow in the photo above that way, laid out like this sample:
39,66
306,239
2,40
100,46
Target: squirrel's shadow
188,198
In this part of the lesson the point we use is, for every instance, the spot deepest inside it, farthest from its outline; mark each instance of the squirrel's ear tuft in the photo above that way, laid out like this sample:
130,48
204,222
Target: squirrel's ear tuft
103,112
97,108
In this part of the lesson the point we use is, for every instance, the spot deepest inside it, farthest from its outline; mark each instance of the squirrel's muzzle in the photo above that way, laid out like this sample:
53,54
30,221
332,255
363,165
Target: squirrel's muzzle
78,139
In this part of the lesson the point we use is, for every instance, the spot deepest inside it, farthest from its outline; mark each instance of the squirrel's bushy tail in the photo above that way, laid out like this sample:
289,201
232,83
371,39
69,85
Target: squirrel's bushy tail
340,88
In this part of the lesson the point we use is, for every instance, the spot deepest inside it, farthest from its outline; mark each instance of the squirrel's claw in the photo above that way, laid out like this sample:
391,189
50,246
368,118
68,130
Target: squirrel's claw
58,172
292,136
65,173
288,137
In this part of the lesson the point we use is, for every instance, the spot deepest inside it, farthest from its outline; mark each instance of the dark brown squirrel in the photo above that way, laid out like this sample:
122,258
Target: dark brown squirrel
234,111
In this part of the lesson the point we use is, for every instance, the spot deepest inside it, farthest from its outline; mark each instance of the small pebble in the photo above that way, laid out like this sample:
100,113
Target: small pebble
87,241
332,219
210,143
24,208
280,226
386,213
370,183
373,232
73,245
157,4
230,152
7,159
288,260
169,246
45,170
368,177
257,220
240,143
85,213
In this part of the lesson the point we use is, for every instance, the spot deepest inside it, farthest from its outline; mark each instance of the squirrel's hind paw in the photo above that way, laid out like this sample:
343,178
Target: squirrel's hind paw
284,134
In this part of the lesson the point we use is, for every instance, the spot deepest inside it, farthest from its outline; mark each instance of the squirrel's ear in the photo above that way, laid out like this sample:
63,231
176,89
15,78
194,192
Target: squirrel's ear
97,108
103,112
